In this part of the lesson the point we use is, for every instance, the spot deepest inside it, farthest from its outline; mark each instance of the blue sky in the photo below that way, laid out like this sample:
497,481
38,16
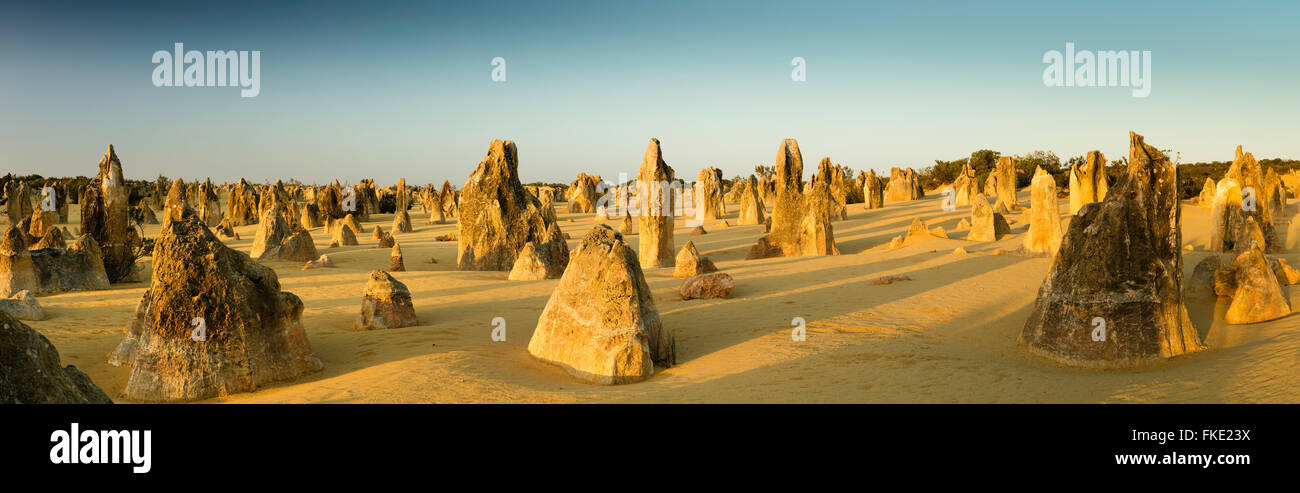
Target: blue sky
392,89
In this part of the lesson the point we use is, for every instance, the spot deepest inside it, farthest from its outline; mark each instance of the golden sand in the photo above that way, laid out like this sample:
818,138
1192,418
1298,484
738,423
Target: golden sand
946,335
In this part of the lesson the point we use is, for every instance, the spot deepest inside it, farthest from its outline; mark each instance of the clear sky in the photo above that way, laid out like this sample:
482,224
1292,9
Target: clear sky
389,89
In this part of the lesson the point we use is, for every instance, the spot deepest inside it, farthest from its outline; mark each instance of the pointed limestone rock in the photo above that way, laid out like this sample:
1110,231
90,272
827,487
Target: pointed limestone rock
343,236
395,261
1044,235
31,371
601,324
708,195
105,215
528,266
213,322
1120,266
17,269
655,223
964,187
1240,195
1208,192
751,205
385,304
1257,296
497,216
690,263
874,190
1087,181
801,223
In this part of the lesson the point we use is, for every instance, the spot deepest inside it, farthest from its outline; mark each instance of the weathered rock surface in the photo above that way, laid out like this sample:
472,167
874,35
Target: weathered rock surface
1208,192
833,176
1286,275
79,267
1044,235
1255,290
1121,264
801,224
1087,181
497,216
965,187
241,206
31,372
705,286
690,263
917,230
396,263
582,194
986,224
17,269
1006,182
343,236
991,186
22,306
105,215
708,195
1230,213
874,190
655,222
275,240
601,324
254,332
751,205
528,266
385,303
903,185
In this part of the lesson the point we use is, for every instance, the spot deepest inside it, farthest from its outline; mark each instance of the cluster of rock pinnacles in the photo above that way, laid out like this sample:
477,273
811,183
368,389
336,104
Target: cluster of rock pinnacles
1118,262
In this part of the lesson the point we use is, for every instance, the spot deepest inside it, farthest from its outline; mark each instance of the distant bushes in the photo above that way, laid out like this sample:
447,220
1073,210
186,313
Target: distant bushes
1191,177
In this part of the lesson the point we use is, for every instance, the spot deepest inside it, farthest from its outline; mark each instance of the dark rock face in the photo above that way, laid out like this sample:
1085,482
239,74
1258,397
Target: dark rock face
601,323
78,267
497,216
31,373
254,332
105,215
1120,262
